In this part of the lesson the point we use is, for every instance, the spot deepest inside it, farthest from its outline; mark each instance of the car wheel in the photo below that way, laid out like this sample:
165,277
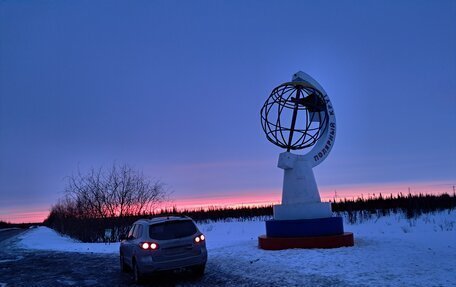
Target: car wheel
137,276
198,271
123,265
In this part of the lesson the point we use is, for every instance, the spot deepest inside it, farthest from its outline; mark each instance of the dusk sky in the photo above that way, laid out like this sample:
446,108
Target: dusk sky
175,88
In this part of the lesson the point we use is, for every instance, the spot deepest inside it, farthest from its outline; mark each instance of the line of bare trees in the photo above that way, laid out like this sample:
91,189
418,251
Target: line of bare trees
118,191
115,193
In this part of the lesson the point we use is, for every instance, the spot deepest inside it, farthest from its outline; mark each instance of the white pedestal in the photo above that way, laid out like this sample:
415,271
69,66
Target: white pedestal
300,196
302,211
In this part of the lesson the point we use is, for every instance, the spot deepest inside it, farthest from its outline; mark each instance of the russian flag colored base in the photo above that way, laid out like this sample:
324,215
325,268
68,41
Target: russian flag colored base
328,241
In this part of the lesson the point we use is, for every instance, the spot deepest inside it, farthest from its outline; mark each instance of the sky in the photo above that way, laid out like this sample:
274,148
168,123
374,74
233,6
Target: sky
175,88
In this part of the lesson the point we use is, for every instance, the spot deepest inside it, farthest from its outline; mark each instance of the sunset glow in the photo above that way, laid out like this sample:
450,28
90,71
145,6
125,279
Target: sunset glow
260,198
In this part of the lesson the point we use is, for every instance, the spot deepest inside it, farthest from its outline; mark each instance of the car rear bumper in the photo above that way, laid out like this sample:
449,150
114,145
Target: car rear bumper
148,265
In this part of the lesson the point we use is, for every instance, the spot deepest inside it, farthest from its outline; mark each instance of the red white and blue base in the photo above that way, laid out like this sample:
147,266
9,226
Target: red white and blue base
305,233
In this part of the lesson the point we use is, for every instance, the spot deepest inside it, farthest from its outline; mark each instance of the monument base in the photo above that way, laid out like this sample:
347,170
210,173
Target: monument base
305,233
330,241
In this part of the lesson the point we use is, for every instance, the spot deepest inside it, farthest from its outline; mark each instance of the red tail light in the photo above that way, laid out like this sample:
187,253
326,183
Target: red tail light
149,245
200,238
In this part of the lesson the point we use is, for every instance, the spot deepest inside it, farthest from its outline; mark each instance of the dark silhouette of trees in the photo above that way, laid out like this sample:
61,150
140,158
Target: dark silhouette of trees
102,195
118,191
411,205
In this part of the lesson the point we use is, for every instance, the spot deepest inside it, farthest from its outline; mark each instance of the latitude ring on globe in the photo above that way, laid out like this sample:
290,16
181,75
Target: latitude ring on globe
303,100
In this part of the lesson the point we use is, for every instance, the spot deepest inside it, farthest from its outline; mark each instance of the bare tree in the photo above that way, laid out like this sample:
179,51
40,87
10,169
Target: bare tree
118,191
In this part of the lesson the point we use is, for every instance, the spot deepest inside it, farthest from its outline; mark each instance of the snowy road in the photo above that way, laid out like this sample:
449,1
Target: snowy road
8,233
43,268
25,267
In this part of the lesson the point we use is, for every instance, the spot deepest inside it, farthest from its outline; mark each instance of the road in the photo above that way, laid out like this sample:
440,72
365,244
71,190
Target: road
19,267
6,234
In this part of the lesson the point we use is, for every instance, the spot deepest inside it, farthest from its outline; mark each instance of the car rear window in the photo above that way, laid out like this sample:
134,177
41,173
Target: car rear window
172,229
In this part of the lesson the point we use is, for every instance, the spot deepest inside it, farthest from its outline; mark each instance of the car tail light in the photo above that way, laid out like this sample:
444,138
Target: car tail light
200,238
149,245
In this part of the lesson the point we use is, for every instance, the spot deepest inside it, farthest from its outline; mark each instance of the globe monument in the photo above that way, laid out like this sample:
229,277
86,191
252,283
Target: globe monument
298,115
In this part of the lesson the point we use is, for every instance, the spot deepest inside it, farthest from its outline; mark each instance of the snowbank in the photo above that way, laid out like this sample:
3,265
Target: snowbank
43,238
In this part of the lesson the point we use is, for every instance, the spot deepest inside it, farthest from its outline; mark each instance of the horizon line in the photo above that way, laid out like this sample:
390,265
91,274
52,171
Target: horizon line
264,197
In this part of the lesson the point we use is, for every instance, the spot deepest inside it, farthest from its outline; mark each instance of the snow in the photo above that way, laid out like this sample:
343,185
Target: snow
388,251
43,238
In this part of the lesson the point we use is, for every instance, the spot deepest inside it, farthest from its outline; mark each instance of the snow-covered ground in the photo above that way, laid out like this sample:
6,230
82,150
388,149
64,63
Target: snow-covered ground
388,251
43,238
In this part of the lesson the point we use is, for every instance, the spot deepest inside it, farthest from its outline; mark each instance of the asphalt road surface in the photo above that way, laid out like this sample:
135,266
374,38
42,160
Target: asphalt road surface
9,233
20,267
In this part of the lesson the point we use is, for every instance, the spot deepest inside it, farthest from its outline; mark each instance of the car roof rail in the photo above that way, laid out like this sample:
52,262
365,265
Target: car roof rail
170,216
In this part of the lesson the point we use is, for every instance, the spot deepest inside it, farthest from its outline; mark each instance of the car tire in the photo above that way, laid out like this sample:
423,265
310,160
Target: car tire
198,270
137,275
123,266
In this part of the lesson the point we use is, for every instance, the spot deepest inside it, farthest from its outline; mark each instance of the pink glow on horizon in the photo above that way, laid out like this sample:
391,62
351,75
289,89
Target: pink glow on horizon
327,193
18,216
251,197
261,197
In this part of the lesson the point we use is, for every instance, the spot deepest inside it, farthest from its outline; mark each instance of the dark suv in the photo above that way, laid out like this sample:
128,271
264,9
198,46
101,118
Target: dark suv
163,243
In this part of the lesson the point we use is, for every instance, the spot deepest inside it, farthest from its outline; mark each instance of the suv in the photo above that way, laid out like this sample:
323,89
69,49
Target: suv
163,243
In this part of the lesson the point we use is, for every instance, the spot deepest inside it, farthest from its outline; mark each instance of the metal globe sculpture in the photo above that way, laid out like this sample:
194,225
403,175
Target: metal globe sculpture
299,115
294,116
